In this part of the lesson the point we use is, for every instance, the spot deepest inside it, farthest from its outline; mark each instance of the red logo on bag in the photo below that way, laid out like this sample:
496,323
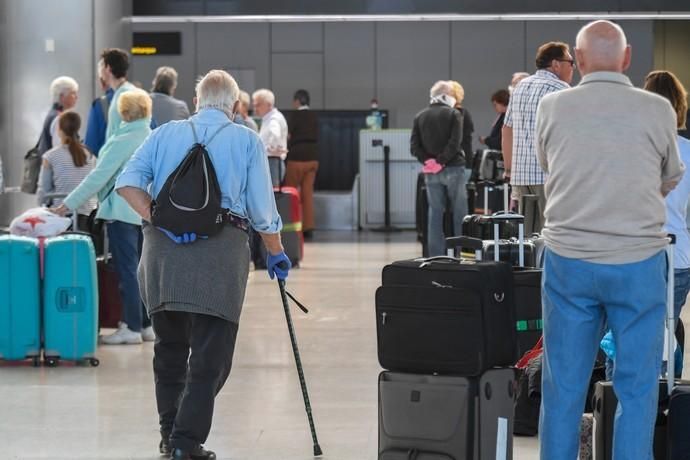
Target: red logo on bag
34,221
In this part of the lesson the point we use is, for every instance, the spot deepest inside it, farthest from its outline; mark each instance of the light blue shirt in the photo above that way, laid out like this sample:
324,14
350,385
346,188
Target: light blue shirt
237,155
676,210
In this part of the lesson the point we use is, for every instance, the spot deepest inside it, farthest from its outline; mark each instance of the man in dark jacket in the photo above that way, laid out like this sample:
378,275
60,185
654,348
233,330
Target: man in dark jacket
303,156
436,142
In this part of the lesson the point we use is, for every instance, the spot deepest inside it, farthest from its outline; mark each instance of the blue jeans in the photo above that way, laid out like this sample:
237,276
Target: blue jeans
446,187
125,245
277,168
681,286
578,297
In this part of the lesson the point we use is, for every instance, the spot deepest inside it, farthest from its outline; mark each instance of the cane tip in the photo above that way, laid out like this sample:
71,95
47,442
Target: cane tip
317,450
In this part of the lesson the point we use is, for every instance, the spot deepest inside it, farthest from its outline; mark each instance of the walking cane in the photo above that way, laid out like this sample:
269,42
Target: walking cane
298,362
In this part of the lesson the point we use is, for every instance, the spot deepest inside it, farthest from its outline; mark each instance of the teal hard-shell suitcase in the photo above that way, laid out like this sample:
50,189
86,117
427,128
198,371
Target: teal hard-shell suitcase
70,300
19,299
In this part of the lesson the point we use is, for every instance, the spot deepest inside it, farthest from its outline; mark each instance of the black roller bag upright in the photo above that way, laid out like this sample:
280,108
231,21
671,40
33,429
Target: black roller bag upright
526,281
446,315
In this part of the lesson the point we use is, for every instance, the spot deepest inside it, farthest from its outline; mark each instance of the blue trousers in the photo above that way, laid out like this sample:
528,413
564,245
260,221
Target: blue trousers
446,187
125,245
578,297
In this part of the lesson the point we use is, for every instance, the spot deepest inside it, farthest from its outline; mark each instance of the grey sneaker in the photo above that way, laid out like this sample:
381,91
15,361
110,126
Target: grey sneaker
147,334
123,336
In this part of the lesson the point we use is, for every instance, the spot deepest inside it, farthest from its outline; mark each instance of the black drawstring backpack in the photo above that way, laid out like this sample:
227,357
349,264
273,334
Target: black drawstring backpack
190,200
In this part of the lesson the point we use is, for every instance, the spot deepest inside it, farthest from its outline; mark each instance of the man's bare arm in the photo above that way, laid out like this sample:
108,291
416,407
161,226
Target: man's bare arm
507,148
666,187
139,200
272,242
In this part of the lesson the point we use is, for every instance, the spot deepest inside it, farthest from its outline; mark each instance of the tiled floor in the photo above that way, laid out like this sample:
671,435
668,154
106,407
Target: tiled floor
109,412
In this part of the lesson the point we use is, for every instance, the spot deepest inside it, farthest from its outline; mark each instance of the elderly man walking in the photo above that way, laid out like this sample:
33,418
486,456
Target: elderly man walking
609,166
194,285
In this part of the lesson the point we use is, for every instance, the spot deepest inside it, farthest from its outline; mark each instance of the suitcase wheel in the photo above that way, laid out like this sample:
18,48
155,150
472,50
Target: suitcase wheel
52,362
94,362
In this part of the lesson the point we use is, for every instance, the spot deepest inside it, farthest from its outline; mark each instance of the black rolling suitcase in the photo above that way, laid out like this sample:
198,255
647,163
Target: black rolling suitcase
489,197
526,281
481,225
528,309
604,404
445,315
432,417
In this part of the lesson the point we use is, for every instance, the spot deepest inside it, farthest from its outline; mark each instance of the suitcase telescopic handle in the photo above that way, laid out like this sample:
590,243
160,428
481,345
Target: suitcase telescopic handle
58,196
464,242
670,317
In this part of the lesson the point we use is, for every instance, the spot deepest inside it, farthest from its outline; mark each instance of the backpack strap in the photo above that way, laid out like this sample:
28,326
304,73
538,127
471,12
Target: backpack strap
196,138
218,131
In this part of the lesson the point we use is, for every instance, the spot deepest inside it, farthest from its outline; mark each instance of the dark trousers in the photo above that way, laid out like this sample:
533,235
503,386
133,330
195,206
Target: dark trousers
187,384
125,242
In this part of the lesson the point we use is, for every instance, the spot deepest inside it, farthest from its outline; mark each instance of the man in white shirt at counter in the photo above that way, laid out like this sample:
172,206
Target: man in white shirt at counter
273,132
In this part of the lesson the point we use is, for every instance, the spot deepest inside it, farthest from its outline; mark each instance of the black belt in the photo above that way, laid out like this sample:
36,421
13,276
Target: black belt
236,221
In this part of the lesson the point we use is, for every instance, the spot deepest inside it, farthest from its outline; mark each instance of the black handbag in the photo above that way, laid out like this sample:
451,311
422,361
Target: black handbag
32,168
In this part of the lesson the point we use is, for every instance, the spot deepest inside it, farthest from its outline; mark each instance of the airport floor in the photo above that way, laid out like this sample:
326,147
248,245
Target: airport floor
109,412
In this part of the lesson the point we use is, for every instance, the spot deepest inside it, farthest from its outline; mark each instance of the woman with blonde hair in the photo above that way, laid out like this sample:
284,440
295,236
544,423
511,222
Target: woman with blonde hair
467,123
123,224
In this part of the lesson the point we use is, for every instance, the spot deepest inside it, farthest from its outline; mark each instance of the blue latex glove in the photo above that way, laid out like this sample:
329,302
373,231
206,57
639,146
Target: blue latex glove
185,238
278,265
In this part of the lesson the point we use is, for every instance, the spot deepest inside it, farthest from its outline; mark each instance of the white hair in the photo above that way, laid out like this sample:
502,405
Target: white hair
61,86
217,90
265,95
441,87
245,99
518,77
603,43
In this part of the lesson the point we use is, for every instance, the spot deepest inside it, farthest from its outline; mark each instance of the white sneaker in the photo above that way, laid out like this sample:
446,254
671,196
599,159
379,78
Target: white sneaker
122,336
148,335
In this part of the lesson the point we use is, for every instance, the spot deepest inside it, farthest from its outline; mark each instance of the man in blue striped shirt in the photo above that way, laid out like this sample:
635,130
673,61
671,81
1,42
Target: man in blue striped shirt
555,66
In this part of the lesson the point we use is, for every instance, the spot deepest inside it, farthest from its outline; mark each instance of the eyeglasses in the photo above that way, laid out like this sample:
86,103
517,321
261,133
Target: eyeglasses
569,61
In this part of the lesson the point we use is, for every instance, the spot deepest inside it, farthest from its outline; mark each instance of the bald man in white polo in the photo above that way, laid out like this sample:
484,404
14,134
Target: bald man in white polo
610,154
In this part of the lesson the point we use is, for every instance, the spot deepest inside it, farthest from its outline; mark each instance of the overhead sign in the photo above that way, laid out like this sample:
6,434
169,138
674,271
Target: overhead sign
156,43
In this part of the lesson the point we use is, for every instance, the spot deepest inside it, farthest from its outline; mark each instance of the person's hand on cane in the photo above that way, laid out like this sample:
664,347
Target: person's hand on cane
278,265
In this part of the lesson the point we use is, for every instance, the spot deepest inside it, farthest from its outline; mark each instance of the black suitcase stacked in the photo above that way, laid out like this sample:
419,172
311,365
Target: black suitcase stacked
446,334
